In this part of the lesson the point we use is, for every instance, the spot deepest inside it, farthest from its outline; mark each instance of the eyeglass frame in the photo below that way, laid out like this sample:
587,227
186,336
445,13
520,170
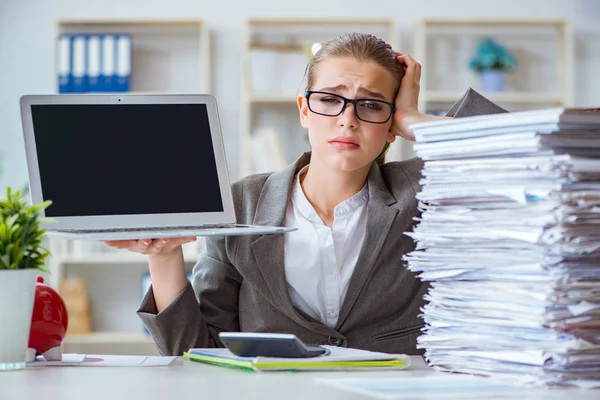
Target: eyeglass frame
353,102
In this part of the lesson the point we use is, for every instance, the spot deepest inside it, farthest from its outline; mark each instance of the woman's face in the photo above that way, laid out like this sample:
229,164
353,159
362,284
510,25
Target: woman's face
345,142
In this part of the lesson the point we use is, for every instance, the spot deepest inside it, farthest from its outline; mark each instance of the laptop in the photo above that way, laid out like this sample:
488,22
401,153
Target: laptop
130,166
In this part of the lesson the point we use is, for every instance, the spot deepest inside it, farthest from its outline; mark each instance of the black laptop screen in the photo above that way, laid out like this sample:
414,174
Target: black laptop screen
126,159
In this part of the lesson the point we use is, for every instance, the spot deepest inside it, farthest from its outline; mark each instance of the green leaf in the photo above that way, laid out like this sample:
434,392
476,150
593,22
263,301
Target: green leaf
21,235
5,261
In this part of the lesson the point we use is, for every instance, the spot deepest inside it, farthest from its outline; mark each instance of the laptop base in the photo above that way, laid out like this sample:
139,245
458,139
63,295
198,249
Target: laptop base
154,233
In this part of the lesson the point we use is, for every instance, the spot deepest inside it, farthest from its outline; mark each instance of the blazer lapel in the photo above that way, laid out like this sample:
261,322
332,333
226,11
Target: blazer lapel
380,217
268,249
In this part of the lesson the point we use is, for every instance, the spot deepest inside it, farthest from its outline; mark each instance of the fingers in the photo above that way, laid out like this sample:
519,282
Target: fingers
150,246
163,246
120,244
139,246
143,246
412,67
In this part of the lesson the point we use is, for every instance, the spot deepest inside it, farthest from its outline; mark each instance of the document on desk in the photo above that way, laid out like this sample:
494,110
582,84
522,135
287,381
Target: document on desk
339,358
455,387
96,360
509,239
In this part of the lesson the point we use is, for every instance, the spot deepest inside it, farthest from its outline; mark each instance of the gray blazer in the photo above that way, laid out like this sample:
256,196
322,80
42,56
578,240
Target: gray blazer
239,284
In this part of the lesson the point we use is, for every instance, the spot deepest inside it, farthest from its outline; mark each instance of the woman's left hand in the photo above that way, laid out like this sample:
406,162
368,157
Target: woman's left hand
407,98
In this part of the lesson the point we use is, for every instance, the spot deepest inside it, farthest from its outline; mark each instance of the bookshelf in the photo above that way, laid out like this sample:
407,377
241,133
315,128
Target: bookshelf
275,55
543,48
168,56
114,290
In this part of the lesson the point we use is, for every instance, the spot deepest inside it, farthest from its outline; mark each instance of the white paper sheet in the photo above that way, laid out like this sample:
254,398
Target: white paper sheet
102,360
456,387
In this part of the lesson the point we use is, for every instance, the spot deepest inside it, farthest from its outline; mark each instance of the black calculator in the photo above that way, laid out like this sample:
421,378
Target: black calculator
285,345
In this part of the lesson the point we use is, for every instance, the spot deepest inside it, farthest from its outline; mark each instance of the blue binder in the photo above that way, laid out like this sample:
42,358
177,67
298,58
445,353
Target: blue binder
124,54
108,70
94,57
64,63
79,64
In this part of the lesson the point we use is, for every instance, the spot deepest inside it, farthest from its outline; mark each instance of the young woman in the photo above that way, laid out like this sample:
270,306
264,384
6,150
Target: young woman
338,279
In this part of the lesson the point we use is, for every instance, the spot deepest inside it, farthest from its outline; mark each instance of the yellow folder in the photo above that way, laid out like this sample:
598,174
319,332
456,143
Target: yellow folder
339,358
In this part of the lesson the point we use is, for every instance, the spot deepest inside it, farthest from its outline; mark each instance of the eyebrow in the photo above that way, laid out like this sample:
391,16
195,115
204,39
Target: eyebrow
371,93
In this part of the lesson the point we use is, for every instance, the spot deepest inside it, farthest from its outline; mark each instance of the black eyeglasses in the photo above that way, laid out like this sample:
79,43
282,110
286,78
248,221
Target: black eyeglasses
332,105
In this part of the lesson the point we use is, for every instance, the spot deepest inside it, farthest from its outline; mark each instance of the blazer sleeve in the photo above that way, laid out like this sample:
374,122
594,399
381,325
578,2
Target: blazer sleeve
205,307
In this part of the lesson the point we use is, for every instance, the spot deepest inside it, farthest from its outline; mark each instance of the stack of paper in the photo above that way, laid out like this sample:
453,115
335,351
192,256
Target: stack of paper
338,358
509,237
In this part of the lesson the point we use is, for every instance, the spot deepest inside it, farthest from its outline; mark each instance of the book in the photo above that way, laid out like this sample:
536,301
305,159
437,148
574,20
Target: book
542,121
339,358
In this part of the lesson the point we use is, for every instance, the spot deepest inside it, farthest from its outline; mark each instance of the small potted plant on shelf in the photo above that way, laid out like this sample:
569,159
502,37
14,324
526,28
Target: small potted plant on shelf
22,257
492,61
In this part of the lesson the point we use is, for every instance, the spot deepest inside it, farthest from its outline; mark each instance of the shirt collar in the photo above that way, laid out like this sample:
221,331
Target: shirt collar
306,209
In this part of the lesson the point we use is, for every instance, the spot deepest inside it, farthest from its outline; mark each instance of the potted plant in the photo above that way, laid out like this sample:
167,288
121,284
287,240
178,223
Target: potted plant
22,257
492,61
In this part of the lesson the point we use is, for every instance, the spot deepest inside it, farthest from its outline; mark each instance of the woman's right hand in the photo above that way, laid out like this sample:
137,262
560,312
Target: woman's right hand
164,247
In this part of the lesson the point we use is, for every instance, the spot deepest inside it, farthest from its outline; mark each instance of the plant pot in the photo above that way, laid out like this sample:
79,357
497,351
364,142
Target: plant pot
493,80
17,294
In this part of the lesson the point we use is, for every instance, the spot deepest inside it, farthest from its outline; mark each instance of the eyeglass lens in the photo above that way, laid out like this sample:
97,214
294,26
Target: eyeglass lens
367,110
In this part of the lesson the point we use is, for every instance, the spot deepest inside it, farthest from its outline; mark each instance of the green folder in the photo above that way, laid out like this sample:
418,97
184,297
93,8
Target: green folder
340,358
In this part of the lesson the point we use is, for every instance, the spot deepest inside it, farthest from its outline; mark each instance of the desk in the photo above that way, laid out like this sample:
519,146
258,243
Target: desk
191,380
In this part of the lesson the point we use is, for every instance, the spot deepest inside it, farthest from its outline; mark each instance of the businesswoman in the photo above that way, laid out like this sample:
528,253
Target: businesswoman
338,279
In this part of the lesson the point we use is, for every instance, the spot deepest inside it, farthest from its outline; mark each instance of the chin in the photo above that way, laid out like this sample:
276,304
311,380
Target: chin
347,162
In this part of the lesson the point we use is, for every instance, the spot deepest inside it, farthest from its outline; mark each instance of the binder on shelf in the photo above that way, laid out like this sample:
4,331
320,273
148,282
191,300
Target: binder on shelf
123,62
93,63
79,82
108,71
64,64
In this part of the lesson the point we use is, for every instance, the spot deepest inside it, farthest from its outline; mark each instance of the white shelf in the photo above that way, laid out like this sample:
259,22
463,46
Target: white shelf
272,99
131,338
319,22
543,47
487,22
505,97
275,54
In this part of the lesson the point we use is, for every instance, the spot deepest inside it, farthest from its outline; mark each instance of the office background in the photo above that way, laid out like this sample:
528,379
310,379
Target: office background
115,281
28,31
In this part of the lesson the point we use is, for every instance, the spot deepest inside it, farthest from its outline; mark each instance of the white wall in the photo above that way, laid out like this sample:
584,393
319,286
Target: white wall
28,29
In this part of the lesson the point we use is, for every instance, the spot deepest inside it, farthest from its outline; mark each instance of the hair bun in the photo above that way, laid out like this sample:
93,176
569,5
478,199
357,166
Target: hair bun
315,48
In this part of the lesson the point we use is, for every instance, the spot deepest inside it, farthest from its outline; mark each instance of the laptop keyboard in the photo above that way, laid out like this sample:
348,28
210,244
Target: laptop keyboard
153,229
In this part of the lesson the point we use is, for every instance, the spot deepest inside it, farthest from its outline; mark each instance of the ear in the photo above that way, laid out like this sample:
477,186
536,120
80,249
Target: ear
303,109
390,138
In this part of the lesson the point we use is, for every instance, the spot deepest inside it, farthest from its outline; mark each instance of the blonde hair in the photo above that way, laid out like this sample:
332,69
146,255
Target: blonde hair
361,47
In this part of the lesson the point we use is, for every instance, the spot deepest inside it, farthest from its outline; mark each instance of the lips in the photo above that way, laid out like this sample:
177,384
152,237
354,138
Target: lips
344,143
345,140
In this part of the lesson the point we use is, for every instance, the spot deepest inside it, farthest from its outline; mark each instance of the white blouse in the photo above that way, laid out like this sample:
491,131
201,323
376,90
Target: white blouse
319,261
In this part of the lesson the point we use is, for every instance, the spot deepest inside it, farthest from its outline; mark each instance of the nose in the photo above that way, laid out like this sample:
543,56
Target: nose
348,117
